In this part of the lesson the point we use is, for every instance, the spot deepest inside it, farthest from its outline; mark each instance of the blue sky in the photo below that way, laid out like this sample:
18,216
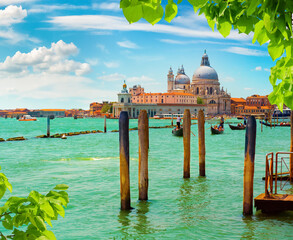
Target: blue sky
67,54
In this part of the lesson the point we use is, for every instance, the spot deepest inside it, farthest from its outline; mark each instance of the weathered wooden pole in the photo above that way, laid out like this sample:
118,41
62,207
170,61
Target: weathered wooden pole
186,143
148,133
201,143
105,124
143,179
261,125
124,160
291,148
250,137
48,126
172,119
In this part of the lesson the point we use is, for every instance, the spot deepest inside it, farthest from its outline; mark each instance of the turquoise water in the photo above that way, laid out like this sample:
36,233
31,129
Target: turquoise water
197,208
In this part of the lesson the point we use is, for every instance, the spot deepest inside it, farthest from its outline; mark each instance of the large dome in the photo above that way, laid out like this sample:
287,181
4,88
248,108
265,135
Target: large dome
205,72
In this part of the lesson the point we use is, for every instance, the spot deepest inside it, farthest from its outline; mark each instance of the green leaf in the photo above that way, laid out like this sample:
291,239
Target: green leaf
133,13
211,23
7,222
198,3
275,50
8,185
267,22
224,27
61,187
252,7
34,197
50,235
40,223
59,209
152,14
171,11
46,207
223,7
257,29
2,189
179,1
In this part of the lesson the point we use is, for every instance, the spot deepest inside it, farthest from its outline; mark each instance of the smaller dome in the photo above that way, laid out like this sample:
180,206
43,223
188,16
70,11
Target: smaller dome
182,79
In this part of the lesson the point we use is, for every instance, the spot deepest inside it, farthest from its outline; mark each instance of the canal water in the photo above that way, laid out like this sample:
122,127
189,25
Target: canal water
197,208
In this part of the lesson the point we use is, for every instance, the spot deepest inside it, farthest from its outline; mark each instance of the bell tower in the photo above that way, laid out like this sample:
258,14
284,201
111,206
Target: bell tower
170,80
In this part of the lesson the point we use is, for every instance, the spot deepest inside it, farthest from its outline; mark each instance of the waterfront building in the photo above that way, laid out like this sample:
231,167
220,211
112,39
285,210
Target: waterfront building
47,112
153,108
258,101
95,109
205,85
237,104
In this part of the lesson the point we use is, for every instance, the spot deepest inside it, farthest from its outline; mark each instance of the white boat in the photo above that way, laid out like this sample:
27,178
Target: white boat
27,118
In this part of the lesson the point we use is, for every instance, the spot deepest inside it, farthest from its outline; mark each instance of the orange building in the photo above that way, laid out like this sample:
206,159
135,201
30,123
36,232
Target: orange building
169,98
95,109
237,104
258,101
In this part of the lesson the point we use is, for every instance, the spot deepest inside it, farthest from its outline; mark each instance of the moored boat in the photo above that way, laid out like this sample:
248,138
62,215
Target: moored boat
242,127
27,118
216,131
177,132
276,125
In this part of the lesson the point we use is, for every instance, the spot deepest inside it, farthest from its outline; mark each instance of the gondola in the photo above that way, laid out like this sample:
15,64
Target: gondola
275,125
216,131
237,127
177,132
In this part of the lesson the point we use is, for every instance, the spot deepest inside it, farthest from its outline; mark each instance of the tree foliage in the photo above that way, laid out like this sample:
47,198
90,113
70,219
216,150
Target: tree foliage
199,100
106,107
269,20
26,218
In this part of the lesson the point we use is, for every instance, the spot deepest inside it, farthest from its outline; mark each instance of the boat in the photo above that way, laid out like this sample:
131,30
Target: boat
177,132
242,127
276,125
27,118
216,131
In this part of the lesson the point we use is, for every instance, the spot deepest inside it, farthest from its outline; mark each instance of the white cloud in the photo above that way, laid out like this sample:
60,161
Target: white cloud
50,86
105,22
248,89
113,77
107,6
51,8
127,44
9,2
245,51
171,41
93,61
258,68
111,64
52,60
267,70
141,80
11,15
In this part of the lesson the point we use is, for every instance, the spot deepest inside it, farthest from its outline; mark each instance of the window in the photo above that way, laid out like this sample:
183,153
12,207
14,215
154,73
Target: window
122,100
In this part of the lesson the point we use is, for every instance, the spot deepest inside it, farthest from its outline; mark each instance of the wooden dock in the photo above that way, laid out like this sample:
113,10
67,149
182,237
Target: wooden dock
274,203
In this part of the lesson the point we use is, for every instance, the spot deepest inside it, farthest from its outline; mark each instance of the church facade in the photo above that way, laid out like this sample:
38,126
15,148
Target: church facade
204,85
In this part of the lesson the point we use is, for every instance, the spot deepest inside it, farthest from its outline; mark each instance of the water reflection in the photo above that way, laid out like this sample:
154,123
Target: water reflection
249,228
136,222
193,200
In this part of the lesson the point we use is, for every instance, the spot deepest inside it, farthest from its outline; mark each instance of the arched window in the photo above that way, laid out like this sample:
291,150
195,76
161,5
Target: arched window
128,100
212,102
208,90
225,105
211,90
122,99
197,90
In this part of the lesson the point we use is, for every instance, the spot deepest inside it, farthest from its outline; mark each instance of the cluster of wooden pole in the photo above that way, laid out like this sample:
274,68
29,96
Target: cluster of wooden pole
201,143
143,135
105,124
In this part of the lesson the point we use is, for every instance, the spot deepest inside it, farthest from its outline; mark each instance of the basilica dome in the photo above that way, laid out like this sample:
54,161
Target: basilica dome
181,77
205,71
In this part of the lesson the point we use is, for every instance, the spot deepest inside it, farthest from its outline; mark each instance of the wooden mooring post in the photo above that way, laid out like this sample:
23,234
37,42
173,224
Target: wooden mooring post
186,143
172,119
105,124
124,160
291,148
261,125
143,179
48,126
201,143
250,138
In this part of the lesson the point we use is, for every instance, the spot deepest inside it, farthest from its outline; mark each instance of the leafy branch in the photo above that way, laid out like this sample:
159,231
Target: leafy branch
35,212
269,20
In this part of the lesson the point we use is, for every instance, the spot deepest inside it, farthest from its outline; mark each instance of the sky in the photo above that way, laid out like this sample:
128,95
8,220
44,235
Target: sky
67,54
